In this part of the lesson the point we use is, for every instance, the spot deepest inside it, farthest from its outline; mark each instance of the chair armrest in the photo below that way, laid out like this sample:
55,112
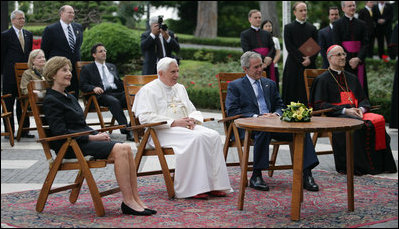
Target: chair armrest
148,125
65,136
375,108
88,93
230,118
209,119
5,96
320,112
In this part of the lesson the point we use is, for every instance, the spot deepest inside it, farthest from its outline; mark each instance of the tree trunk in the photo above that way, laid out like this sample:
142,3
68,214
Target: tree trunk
269,11
207,19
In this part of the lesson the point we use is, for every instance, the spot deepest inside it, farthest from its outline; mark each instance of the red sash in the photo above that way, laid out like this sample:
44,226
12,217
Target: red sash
377,120
264,52
354,47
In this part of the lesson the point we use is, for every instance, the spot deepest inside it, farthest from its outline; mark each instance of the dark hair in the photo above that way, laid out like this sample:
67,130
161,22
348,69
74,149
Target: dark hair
94,48
267,21
332,8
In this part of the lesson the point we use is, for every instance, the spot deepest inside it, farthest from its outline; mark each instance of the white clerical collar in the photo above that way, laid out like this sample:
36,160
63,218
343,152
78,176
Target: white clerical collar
350,18
255,28
300,22
337,71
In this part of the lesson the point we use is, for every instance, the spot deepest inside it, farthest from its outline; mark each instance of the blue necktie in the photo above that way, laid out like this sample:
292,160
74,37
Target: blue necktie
261,99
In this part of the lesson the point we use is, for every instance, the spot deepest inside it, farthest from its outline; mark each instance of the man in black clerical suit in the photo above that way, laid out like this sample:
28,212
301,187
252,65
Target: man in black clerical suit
340,90
16,44
366,15
351,34
295,34
102,78
325,34
64,38
258,40
156,44
383,16
257,96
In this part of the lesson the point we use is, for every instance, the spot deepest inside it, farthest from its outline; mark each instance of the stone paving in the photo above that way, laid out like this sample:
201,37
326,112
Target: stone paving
23,167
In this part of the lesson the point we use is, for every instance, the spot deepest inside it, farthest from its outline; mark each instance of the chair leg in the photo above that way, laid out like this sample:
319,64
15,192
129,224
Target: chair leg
11,133
226,143
112,123
95,194
22,119
272,161
165,169
314,138
73,197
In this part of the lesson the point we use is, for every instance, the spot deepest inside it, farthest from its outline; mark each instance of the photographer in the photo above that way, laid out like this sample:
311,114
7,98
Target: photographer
156,43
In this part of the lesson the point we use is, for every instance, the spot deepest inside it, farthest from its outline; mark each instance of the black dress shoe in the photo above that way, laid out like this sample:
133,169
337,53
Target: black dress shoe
258,183
128,211
129,136
151,210
309,184
27,135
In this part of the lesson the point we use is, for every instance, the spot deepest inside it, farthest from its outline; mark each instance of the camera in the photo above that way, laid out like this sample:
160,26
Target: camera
163,26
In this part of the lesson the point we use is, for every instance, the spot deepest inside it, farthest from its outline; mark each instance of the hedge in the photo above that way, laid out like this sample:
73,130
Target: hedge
212,55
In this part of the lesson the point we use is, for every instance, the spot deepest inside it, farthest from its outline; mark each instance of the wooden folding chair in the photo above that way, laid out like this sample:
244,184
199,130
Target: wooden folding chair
90,102
19,69
37,91
142,132
309,76
230,129
5,115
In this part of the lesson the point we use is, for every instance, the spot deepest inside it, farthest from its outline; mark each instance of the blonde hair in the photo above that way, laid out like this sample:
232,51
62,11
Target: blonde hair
53,65
32,56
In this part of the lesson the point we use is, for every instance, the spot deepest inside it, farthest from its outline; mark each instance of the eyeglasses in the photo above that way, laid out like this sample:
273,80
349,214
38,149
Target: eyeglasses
340,54
101,51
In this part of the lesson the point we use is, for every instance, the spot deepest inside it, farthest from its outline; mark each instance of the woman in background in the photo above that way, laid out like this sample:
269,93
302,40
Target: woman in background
36,64
268,26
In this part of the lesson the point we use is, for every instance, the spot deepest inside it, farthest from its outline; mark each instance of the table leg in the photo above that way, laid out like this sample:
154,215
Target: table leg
298,176
244,168
350,170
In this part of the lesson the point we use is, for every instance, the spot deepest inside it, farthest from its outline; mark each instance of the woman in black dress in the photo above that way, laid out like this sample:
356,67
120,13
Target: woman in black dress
65,116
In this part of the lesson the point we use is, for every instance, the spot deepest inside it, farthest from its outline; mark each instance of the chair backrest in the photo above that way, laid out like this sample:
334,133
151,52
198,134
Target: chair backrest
132,84
224,79
19,69
37,91
309,75
79,65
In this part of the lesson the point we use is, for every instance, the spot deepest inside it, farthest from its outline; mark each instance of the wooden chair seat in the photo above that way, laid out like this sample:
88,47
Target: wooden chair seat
6,115
230,129
57,163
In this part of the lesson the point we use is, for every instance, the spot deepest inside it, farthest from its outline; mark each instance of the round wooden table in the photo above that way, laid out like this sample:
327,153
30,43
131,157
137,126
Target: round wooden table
299,129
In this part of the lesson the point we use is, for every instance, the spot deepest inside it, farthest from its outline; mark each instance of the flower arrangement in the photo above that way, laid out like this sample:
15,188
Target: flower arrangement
296,112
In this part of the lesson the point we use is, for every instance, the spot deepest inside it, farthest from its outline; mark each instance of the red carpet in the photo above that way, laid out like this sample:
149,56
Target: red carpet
376,200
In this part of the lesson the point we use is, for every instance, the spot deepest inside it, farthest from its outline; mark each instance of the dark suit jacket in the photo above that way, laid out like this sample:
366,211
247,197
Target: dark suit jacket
387,14
149,51
11,53
249,41
241,97
55,43
364,15
90,77
325,41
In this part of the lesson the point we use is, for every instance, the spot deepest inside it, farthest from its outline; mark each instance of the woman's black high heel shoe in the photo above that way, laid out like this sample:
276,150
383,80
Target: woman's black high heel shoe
128,211
151,210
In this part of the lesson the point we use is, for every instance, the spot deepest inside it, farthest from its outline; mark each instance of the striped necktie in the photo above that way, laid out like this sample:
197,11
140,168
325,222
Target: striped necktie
71,41
261,99
107,85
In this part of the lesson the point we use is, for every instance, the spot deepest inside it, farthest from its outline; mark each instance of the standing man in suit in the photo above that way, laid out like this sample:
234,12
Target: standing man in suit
102,78
383,15
16,44
256,96
366,15
64,38
156,44
325,34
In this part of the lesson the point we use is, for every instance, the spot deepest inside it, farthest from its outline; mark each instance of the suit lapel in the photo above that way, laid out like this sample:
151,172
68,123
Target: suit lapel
249,89
61,31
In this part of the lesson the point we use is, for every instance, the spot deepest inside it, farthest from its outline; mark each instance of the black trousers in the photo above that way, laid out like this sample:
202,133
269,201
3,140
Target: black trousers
10,101
115,101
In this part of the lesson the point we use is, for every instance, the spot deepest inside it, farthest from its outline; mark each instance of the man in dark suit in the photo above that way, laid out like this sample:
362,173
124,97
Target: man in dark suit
16,44
256,96
325,34
156,44
383,15
102,78
64,38
366,15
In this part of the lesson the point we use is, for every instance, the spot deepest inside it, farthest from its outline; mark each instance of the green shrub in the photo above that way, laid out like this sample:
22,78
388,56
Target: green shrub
212,55
204,98
122,44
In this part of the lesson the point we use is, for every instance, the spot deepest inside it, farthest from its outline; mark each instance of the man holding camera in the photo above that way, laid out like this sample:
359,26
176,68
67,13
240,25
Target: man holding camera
156,43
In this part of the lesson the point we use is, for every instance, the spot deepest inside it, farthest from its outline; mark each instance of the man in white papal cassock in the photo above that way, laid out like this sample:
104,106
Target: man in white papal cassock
200,166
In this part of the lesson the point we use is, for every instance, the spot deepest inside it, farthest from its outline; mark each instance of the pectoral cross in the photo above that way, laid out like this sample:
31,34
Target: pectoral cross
350,99
173,107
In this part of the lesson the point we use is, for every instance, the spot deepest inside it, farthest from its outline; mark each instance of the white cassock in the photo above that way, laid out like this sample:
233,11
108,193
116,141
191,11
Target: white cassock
200,164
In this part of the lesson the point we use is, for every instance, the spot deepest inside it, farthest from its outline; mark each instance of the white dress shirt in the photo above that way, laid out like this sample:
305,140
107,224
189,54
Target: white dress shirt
109,76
